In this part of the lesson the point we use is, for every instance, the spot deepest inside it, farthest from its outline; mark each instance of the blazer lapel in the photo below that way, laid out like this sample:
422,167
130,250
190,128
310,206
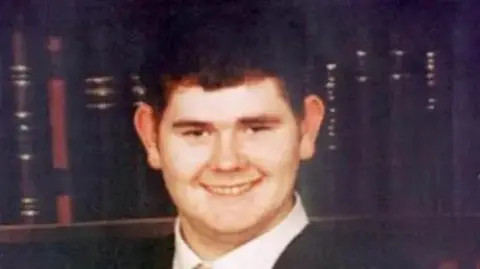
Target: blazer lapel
163,254
308,250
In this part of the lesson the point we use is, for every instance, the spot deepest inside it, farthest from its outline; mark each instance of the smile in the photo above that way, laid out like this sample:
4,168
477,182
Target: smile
234,190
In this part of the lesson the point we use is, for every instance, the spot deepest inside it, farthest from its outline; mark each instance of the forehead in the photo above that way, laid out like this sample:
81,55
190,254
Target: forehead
228,103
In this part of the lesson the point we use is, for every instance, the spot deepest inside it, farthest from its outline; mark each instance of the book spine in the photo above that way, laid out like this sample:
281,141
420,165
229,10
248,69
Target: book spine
59,135
23,112
364,190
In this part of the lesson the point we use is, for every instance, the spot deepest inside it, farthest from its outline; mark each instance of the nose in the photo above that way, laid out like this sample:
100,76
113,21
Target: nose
227,155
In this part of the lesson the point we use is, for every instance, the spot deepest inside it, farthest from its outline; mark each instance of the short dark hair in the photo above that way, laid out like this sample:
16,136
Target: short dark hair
223,46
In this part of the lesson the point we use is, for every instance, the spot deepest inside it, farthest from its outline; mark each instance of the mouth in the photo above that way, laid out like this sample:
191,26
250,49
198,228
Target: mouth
231,190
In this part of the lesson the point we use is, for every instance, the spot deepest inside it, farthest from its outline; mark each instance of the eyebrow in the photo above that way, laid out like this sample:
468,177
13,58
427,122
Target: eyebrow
248,120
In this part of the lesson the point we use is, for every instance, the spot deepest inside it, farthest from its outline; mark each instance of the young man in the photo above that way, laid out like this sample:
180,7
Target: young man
227,123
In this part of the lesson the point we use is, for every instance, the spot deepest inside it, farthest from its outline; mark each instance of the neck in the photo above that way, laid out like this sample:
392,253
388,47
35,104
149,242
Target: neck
211,244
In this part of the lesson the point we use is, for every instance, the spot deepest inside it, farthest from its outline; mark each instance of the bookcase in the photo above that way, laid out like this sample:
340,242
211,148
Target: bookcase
398,152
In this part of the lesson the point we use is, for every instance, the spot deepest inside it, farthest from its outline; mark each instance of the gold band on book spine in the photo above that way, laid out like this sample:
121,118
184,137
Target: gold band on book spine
331,87
100,92
138,89
430,77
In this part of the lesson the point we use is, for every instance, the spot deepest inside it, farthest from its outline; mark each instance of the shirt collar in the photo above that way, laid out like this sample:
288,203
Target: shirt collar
271,245
184,257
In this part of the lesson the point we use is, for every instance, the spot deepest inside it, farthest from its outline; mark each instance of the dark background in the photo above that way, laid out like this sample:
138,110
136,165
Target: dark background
391,146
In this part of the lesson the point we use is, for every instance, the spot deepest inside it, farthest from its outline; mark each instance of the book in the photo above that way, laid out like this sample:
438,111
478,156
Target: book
24,123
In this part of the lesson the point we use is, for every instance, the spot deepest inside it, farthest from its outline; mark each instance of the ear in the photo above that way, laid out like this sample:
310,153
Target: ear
146,128
314,111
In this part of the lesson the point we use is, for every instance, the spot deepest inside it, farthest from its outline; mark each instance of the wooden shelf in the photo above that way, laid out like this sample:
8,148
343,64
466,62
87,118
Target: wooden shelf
435,226
130,228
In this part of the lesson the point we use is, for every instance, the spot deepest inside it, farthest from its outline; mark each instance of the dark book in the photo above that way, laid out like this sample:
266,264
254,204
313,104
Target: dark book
420,118
24,123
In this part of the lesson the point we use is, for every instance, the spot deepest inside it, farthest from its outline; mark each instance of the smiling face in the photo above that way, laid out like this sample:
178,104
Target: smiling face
230,156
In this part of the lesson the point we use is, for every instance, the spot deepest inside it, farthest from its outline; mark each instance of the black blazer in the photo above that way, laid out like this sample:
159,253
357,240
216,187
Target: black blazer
312,248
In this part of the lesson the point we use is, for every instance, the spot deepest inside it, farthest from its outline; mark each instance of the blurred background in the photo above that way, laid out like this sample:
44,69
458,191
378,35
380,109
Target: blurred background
399,151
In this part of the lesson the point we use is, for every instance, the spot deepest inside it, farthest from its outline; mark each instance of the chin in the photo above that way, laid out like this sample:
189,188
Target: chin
234,225
231,228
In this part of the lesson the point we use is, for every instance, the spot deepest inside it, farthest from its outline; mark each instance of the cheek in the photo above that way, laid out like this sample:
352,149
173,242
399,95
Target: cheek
182,161
276,150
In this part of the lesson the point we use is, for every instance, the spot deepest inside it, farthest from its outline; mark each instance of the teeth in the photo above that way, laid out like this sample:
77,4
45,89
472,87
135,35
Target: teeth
231,190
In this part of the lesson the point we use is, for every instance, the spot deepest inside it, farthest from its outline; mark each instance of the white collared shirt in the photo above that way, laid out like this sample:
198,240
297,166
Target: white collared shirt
259,253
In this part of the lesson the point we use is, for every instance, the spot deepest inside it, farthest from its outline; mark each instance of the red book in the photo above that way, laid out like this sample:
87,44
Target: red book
59,137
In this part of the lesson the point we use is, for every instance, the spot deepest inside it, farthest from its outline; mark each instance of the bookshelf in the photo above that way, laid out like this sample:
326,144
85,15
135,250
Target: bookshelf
100,90
397,155
42,233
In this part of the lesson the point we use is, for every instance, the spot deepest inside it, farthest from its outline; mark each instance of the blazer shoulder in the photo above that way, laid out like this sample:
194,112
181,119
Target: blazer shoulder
156,253
320,248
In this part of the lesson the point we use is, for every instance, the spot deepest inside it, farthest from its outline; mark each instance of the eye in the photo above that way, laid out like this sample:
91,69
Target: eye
257,128
195,133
